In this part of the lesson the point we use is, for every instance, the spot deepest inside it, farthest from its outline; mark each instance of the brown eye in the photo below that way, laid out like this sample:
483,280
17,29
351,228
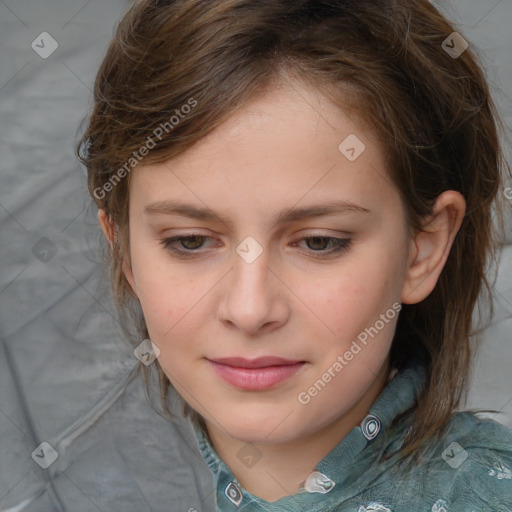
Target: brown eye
319,244
317,241
188,244
196,241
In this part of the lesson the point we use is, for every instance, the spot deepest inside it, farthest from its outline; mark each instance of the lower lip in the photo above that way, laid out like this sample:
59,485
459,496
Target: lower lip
255,379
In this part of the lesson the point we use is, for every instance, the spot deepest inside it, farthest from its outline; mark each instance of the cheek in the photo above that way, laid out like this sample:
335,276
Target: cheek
352,297
164,292
165,295
166,307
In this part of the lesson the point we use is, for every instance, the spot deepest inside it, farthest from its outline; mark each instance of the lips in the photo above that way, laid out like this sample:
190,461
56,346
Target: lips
255,374
260,362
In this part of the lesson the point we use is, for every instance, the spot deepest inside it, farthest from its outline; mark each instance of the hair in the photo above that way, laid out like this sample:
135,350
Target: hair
384,61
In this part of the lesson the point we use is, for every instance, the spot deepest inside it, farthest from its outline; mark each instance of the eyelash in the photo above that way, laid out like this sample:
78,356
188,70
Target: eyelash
340,244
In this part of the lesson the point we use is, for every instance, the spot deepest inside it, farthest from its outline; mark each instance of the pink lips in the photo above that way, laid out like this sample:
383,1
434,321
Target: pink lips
256,374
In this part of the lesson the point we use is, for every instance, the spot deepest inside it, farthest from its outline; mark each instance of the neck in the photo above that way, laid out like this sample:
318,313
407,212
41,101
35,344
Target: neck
283,467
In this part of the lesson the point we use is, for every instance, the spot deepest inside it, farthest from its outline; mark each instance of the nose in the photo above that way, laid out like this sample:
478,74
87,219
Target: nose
253,298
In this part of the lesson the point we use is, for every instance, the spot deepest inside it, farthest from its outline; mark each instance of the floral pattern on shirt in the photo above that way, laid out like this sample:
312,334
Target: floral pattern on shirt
373,507
440,506
500,471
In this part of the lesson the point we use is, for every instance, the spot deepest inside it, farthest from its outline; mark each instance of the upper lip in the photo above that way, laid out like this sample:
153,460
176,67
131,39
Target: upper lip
260,362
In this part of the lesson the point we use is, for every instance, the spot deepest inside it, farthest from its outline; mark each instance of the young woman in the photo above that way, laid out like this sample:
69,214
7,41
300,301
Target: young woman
298,198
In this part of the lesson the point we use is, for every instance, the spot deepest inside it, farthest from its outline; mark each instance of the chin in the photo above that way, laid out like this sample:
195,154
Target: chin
258,435
260,428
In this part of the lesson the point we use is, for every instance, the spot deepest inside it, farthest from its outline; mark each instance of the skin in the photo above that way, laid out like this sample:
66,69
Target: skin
278,152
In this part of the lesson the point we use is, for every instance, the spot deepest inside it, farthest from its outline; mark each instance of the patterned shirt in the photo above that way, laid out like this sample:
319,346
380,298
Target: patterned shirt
468,470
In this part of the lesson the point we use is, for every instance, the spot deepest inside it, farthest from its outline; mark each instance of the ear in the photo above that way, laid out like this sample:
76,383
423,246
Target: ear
110,230
431,246
107,226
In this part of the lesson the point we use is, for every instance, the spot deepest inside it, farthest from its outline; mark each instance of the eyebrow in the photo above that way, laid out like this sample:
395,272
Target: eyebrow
286,215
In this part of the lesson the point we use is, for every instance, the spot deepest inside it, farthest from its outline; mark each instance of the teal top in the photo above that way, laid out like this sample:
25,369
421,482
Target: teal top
468,470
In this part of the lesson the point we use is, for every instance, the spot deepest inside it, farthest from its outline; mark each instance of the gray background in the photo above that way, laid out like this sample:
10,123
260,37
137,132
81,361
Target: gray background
65,370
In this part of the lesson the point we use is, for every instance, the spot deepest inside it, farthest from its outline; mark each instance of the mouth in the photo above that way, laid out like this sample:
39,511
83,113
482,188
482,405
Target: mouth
256,374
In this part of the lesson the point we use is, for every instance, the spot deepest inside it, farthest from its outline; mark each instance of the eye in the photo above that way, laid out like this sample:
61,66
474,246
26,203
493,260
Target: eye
318,244
188,245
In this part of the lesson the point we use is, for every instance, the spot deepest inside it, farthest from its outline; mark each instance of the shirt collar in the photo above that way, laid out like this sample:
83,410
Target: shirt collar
337,469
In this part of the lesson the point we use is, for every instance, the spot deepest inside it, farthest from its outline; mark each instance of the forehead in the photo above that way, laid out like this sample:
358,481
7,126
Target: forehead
291,144
277,121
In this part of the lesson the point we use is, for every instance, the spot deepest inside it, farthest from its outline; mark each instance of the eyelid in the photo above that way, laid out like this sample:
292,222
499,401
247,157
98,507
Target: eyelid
340,244
313,234
321,233
326,233
191,234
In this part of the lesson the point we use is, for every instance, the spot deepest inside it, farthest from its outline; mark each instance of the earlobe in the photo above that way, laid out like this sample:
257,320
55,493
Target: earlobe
431,247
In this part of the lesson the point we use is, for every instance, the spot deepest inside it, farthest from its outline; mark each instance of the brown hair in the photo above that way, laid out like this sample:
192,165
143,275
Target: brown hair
383,59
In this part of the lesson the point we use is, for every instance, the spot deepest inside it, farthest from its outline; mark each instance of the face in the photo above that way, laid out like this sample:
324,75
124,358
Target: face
273,237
